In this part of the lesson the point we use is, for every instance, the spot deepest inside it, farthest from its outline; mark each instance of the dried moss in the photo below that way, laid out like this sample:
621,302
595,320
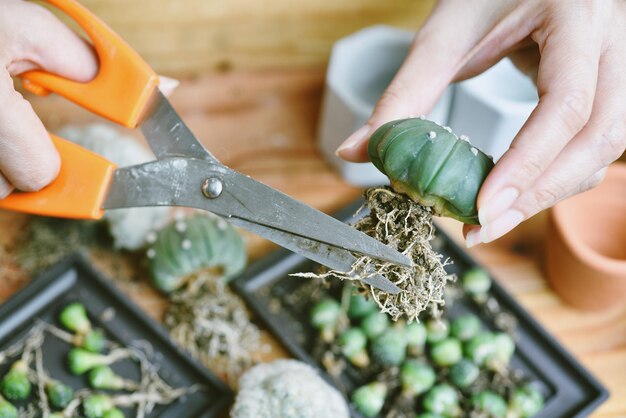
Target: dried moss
213,324
47,240
406,226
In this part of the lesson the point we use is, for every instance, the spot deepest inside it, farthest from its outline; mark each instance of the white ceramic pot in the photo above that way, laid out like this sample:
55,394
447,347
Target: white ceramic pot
492,107
361,66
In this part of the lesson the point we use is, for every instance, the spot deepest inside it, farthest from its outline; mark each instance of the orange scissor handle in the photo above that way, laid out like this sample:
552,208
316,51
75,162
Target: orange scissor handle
124,84
78,191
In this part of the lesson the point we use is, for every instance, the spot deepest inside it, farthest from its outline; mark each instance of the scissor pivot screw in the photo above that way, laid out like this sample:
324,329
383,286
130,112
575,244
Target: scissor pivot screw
212,187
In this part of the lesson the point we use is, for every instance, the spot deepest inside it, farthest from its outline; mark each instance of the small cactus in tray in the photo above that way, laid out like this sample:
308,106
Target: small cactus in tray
440,367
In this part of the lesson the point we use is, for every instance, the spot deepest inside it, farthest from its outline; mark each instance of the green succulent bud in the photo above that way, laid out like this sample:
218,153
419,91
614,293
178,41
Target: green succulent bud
74,317
324,316
446,352
374,324
431,165
476,282
195,243
370,399
464,373
15,384
389,349
491,403
113,413
480,347
81,360
95,406
504,347
465,326
93,341
56,415
353,343
442,399
416,377
526,401
60,395
7,410
360,306
103,377
415,338
437,329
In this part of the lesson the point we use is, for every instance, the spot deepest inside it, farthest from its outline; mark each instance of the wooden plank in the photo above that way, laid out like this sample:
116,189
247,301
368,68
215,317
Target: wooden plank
263,123
195,36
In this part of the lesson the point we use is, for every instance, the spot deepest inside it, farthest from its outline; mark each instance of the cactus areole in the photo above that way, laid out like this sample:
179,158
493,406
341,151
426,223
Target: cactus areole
431,165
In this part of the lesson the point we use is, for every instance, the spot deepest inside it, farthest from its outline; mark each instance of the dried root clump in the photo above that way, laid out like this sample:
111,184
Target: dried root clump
213,324
406,226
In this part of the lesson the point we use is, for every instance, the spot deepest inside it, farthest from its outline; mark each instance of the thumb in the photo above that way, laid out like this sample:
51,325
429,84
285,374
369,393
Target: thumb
440,49
33,38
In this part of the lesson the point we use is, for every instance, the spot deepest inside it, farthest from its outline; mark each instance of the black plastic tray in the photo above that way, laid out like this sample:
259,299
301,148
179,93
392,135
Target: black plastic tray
73,279
570,390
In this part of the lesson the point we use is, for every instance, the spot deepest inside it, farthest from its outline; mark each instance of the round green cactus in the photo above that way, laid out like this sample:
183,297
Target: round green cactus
526,402
188,245
375,324
360,307
446,352
465,327
59,394
442,399
431,165
7,410
353,343
416,377
389,349
324,316
490,403
416,338
15,384
370,399
464,373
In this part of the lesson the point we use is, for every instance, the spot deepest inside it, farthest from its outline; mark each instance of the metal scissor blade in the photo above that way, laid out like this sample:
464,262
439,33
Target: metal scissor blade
328,256
179,182
167,134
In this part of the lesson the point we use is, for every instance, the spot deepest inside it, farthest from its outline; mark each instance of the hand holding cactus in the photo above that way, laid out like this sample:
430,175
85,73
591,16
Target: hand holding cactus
574,53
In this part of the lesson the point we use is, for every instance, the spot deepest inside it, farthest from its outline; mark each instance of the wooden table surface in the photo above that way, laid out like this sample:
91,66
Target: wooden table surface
263,124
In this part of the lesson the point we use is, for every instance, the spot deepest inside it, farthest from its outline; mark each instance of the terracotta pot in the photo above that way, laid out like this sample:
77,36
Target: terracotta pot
586,245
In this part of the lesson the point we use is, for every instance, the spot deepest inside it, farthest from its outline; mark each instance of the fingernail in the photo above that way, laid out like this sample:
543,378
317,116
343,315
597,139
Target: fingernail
495,206
500,226
354,139
167,85
5,187
472,238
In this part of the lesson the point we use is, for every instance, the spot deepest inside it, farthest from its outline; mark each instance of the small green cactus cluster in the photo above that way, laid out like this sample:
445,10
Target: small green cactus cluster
438,362
190,244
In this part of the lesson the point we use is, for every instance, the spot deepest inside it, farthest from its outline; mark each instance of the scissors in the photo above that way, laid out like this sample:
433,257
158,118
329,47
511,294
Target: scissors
125,91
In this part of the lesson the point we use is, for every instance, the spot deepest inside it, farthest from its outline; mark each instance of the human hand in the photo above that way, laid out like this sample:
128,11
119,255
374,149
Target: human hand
33,38
573,50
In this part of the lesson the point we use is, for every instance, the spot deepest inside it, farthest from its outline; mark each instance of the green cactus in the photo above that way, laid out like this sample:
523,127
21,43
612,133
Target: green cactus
446,352
431,165
60,394
360,306
491,403
389,349
375,324
324,316
15,384
465,326
416,377
189,245
353,343
370,399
